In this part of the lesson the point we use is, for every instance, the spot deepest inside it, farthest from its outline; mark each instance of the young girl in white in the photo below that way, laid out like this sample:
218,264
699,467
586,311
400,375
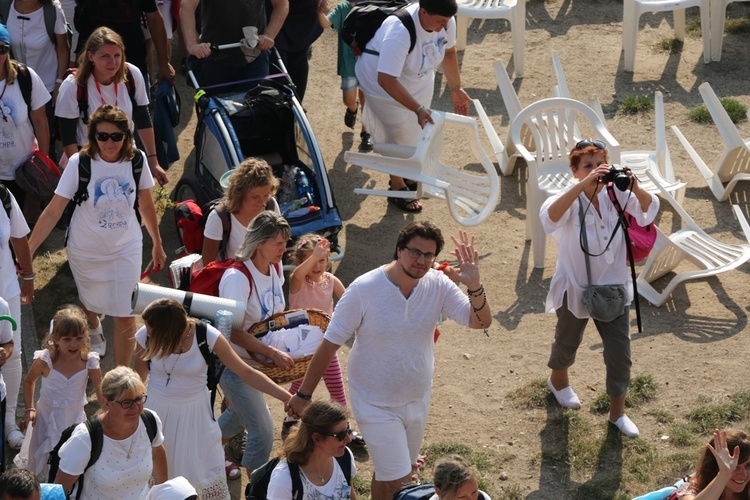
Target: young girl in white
312,286
65,364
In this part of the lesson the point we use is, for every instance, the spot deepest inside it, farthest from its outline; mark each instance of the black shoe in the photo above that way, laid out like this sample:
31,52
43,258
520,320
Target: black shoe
366,144
350,118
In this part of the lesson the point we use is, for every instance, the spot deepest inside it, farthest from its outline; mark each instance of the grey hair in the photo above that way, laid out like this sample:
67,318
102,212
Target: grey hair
451,473
265,226
121,380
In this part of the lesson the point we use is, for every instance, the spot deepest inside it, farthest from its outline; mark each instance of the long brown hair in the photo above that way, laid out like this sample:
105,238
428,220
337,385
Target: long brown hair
708,469
250,174
167,320
100,37
68,321
319,416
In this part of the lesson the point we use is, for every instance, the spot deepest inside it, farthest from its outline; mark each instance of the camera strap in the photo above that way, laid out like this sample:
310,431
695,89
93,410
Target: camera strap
624,223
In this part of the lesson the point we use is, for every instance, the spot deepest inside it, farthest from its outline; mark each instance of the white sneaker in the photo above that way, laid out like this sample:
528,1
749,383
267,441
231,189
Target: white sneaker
626,426
566,397
14,437
97,340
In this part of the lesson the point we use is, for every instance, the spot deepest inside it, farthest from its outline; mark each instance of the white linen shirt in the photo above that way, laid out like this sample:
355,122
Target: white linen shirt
611,268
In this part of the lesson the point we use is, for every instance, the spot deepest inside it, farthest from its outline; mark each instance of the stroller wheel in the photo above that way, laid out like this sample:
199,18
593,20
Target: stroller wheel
185,190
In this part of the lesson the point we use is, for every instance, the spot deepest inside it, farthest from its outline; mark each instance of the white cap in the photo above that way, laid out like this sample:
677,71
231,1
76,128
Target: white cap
175,489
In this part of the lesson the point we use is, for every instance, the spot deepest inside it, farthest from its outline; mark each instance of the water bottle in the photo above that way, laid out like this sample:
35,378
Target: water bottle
304,190
292,206
223,322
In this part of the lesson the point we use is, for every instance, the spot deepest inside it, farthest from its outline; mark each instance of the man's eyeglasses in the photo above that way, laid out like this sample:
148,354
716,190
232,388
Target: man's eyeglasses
128,403
416,254
586,143
115,136
339,435
4,49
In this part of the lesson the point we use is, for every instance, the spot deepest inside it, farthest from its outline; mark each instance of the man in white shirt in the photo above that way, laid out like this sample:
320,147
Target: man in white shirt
406,78
393,310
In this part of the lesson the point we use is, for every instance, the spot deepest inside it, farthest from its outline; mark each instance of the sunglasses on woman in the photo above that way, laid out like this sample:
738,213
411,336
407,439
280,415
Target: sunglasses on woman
341,435
115,136
586,143
4,49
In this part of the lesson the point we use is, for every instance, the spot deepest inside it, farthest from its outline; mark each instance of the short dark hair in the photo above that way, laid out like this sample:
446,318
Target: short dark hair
426,230
445,8
19,483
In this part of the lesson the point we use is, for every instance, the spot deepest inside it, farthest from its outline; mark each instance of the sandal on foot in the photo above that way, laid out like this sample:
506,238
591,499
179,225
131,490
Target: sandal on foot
404,203
232,469
412,185
350,117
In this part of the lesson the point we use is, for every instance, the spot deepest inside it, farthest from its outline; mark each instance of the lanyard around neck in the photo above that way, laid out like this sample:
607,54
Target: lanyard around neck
101,96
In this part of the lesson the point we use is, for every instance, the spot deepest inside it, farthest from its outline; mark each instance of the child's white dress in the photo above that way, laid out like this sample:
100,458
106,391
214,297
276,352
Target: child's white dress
60,405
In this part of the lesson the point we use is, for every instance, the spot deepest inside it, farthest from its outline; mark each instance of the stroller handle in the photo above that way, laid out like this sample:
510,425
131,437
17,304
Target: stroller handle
12,321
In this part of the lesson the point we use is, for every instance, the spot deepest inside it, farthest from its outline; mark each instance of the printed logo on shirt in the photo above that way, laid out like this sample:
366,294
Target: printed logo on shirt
8,111
112,202
271,302
432,55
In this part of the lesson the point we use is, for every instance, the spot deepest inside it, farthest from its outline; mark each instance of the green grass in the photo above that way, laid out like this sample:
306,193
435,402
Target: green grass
662,416
681,434
642,389
510,492
635,104
693,27
737,26
535,394
735,109
669,45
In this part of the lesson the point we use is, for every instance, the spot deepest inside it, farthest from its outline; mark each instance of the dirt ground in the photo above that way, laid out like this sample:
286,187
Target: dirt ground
693,345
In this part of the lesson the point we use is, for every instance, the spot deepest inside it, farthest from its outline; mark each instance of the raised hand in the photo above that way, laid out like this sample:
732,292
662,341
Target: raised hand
322,248
726,462
468,260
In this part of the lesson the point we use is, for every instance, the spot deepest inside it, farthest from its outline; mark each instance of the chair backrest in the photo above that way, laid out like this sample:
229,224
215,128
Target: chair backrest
510,98
551,123
663,159
562,84
727,129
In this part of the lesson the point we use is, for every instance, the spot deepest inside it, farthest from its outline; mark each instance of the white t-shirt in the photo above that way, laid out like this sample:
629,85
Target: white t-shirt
115,94
394,335
609,269
6,335
17,139
415,70
15,227
215,230
113,475
188,370
31,43
266,299
280,484
105,224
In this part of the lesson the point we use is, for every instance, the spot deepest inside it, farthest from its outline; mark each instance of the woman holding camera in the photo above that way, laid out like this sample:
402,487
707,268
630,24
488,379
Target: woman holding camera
607,259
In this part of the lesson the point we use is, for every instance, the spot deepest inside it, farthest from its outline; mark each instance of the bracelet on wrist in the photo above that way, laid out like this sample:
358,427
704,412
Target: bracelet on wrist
419,108
478,291
30,409
28,277
306,397
151,155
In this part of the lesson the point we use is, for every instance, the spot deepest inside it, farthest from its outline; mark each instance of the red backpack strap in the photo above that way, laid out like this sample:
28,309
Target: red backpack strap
240,266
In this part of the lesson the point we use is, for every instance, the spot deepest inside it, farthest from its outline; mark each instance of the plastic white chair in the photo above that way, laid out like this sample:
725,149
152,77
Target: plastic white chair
657,162
497,145
471,197
513,11
691,244
734,164
633,9
551,123
718,15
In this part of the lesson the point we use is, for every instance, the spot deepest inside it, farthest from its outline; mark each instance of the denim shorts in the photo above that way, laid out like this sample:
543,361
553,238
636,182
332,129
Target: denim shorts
349,83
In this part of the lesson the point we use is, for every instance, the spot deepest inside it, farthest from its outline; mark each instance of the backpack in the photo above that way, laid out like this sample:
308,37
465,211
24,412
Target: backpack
5,199
423,491
82,193
206,281
191,222
94,428
365,18
215,366
23,77
257,488
50,16
38,176
82,92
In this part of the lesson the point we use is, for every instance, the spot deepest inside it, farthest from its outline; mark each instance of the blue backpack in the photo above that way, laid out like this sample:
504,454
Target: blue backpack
423,491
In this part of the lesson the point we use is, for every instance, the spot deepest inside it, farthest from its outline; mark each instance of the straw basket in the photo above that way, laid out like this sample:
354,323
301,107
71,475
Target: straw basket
279,375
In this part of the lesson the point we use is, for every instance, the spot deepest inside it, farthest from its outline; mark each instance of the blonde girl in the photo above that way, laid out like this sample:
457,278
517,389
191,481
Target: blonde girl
312,286
65,365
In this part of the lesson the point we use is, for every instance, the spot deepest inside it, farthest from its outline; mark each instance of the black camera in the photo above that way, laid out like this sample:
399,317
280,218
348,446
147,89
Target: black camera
618,177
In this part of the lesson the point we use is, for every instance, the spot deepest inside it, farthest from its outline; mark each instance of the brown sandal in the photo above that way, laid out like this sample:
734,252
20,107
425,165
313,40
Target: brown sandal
404,203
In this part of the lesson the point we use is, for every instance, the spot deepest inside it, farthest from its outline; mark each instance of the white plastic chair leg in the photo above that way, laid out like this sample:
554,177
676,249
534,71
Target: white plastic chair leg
629,34
462,27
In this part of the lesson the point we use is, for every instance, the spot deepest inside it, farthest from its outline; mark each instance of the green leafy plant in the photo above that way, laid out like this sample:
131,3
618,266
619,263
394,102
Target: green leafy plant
735,109
669,45
635,104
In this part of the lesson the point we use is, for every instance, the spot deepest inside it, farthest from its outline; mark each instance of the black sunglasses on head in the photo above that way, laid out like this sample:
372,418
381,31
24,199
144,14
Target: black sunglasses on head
586,143
115,136
4,49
